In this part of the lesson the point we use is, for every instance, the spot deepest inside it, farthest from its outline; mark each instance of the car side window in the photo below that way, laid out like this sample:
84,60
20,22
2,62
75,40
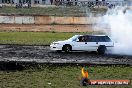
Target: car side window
100,39
107,39
88,39
91,39
104,39
82,39
94,39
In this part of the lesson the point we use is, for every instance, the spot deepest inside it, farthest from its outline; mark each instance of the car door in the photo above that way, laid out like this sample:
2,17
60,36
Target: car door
79,44
91,43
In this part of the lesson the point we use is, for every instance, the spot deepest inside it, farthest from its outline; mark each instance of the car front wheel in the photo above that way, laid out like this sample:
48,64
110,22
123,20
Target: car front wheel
67,48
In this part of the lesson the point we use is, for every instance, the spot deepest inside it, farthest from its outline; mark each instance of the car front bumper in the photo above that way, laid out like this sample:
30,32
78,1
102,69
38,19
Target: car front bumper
55,47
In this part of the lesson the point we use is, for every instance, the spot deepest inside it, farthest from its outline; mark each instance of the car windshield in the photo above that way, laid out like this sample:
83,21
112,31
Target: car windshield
74,38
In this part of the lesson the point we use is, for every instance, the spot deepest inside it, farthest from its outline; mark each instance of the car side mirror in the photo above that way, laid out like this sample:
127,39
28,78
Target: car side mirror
77,40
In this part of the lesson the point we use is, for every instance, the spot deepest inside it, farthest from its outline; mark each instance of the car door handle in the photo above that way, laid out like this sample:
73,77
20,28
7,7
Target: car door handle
96,42
85,42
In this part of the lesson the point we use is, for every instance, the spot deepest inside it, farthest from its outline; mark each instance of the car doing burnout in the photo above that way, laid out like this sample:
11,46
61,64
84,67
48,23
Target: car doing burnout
99,43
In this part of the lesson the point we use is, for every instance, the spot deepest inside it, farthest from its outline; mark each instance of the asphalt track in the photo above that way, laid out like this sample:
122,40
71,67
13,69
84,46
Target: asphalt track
42,54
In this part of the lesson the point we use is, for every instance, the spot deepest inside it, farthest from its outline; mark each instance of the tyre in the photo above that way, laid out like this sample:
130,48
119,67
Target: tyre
101,49
67,48
58,51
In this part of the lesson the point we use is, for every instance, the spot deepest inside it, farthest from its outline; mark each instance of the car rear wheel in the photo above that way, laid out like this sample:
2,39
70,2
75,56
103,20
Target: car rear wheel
67,48
101,49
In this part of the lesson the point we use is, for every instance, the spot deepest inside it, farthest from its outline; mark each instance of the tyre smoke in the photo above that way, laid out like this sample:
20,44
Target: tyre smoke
117,23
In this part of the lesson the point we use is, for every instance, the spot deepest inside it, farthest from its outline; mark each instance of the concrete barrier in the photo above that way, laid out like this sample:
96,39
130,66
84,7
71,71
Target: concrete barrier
28,20
6,19
44,19
24,20
85,20
18,20
64,20
47,20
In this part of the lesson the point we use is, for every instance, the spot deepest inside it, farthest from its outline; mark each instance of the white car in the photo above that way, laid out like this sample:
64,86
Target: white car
99,43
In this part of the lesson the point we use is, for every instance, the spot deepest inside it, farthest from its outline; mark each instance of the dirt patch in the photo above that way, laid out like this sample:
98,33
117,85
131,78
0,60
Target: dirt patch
46,28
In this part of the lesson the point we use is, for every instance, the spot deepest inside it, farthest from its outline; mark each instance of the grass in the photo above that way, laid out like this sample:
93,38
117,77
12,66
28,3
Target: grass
57,11
33,38
62,76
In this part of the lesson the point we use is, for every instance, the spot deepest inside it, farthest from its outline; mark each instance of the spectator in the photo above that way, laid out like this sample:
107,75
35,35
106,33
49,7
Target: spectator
17,5
51,1
44,1
1,5
25,5
20,5
29,5
57,2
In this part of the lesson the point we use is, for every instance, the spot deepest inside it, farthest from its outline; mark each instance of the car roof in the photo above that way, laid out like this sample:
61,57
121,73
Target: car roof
94,35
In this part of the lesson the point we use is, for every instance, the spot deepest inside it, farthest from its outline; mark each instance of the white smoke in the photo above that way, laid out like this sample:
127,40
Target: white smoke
118,24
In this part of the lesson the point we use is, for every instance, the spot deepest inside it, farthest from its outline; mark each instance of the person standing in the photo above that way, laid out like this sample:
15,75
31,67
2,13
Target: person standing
51,1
